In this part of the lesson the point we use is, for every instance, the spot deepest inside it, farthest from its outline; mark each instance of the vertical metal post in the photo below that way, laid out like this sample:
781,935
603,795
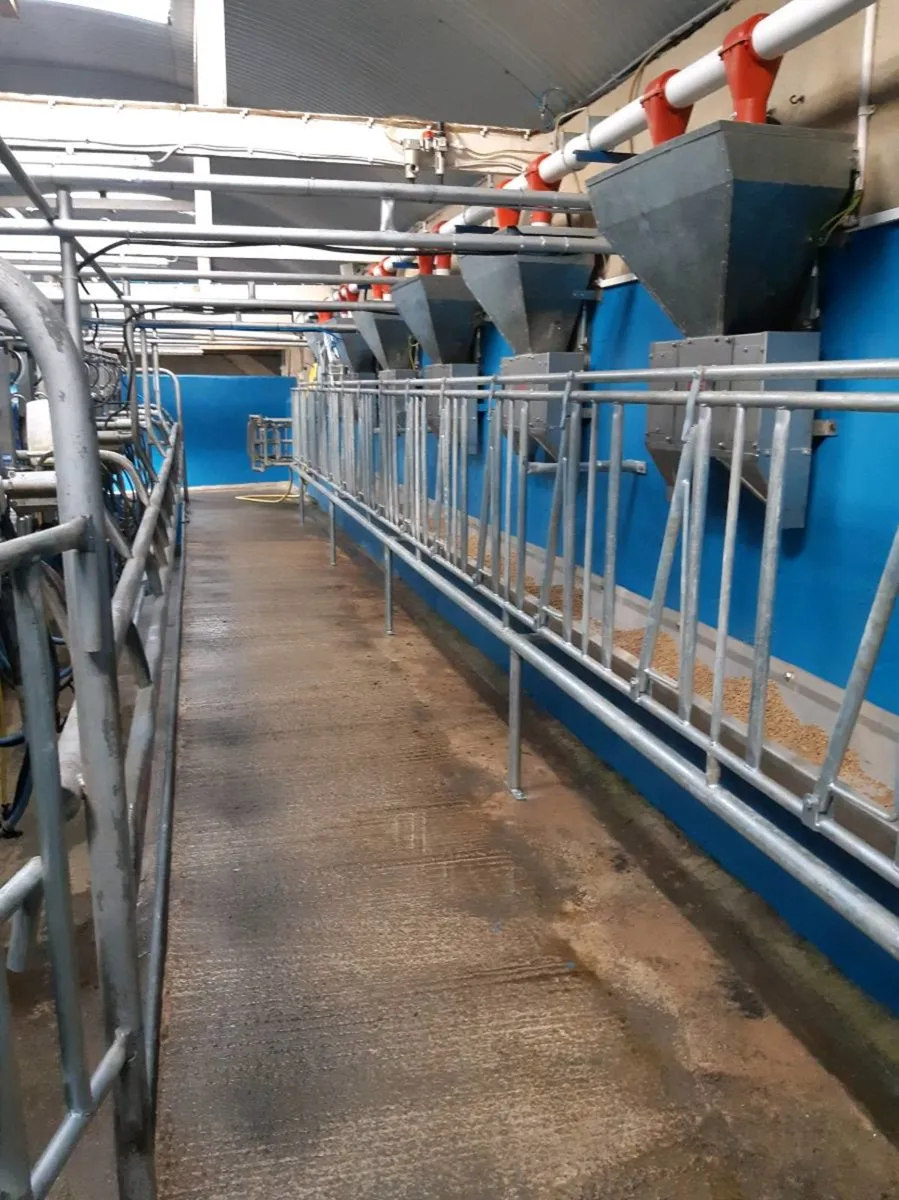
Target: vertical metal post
589,515
388,590
693,555
425,479
463,479
411,447
514,780
133,410
408,462
92,649
522,530
15,1167
486,482
764,615
145,377
508,421
445,453
669,544
727,579
686,518
39,690
869,647
555,510
157,382
302,501
569,538
70,298
332,535
613,506
441,463
455,460
496,479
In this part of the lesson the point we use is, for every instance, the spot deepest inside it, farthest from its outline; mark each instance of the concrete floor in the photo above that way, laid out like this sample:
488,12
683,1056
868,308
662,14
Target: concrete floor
387,979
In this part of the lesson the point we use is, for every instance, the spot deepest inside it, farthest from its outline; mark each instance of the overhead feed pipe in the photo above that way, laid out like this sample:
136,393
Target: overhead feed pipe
770,39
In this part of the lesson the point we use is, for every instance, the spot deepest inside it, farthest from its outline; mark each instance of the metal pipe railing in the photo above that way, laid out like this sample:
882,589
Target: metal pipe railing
92,655
875,921
404,497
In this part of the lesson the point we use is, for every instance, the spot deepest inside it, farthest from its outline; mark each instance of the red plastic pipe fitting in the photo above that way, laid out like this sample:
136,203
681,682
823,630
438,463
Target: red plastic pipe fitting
534,182
663,119
749,77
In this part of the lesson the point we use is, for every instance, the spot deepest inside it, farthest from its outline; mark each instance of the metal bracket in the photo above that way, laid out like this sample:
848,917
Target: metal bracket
812,811
608,157
824,428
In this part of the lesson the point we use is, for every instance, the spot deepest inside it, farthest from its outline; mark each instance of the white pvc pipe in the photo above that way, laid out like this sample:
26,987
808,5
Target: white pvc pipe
797,22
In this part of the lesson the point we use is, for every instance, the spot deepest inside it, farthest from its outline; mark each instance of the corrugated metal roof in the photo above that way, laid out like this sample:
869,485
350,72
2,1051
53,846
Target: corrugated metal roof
62,50
469,60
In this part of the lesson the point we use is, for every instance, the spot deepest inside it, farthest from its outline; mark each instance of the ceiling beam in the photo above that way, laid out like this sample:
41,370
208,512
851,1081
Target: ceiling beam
70,124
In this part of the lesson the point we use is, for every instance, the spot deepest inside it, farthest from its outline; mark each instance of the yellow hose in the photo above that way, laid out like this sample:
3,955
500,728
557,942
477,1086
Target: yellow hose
271,499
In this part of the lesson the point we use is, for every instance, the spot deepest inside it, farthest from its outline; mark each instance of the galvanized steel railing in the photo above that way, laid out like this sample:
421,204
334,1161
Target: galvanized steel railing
90,763
365,446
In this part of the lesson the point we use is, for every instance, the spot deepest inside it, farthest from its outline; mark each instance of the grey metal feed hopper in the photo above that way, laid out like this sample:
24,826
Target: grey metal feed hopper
532,299
720,224
386,336
441,314
343,343
357,352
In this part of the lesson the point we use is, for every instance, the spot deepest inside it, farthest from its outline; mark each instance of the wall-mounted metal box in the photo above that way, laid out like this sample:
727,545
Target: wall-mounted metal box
544,416
664,422
458,372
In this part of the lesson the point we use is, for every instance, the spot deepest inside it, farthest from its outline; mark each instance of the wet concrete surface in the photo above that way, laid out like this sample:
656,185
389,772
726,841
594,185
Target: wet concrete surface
388,979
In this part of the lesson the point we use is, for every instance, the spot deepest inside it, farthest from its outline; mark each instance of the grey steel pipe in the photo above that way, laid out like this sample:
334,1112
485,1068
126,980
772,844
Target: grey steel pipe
23,180
93,658
69,535
221,303
133,180
514,766
342,239
71,300
122,463
164,828
39,687
139,274
859,909
764,617
59,1149
16,891
854,695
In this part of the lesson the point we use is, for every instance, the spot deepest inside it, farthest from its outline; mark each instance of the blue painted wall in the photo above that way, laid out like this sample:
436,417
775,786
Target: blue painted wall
216,408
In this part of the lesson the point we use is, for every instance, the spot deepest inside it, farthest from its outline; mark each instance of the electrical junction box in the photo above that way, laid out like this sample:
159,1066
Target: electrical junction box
458,372
544,416
664,422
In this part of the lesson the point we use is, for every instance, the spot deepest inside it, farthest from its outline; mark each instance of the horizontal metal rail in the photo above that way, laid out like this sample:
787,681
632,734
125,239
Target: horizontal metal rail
160,182
32,547
290,235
